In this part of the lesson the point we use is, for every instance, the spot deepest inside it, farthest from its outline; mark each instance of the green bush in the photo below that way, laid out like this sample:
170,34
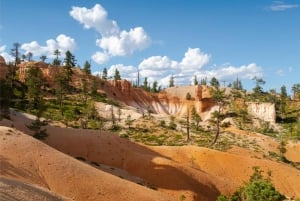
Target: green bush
257,189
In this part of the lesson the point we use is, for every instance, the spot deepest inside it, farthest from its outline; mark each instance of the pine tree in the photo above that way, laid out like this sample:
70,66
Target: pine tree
117,75
283,100
203,81
56,61
171,81
195,80
154,87
43,58
16,53
220,98
104,74
87,68
214,82
34,82
29,56
69,62
258,90
62,82
145,84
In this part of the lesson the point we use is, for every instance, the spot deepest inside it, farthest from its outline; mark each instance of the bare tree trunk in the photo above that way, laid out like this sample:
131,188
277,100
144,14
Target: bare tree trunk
187,127
217,132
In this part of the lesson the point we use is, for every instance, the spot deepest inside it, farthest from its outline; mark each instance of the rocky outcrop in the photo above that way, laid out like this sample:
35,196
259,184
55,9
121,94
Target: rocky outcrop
263,111
3,68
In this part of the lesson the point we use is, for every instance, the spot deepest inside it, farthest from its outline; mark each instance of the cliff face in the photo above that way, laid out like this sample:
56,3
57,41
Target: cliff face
171,101
264,111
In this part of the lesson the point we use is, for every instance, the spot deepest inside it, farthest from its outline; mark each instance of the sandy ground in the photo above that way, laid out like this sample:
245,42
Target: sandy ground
130,168
12,190
25,159
293,151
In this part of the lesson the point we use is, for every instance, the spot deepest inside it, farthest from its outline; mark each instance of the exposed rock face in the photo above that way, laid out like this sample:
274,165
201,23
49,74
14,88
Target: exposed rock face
3,68
263,111
123,86
197,92
48,71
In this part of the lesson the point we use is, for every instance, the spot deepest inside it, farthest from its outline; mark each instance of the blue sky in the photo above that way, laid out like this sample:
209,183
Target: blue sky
161,38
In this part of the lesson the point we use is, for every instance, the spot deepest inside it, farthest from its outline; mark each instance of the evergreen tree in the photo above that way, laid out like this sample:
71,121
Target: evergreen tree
43,58
87,68
24,57
237,84
104,74
195,80
296,91
283,100
56,61
16,53
258,90
219,97
117,75
34,83
171,81
154,87
214,82
203,81
62,82
145,84
188,96
69,62
29,56
195,117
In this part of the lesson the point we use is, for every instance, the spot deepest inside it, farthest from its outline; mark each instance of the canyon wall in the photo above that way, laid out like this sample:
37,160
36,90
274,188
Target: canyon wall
263,111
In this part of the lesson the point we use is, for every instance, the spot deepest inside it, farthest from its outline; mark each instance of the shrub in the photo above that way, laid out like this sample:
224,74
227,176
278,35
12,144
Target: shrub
257,189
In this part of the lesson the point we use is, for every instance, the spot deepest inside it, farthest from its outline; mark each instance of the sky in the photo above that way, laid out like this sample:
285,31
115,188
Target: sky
162,38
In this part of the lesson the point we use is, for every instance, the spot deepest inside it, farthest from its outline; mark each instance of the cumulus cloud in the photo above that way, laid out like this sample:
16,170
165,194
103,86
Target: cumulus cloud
161,67
113,42
194,59
229,73
194,62
125,43
62,43
3,53
96,18
100,57
281,6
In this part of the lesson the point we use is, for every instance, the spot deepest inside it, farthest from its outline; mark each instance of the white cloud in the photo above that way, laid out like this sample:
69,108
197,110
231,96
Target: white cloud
161,67
113,42
62,43
229,73
194,59
158,63
96,18
125,43
3,53
100,57
2,48
281,6
126,72
194,62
